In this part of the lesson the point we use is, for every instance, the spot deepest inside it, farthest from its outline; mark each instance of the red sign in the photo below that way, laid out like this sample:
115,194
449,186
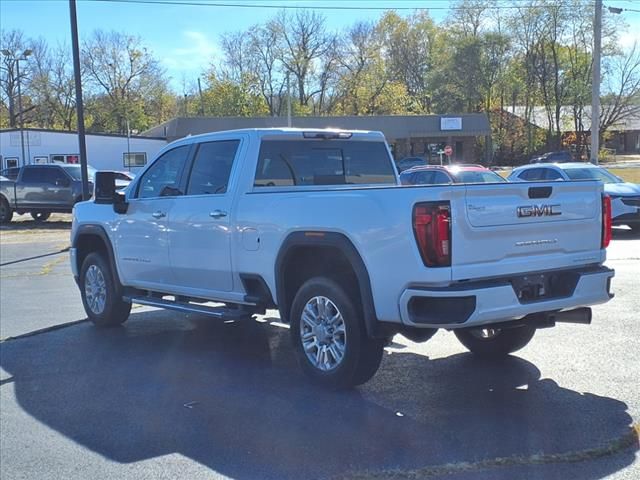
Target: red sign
448,151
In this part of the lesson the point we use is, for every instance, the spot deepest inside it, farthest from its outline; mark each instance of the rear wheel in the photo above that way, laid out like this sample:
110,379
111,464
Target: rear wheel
495,342
101,298
329,337
6,212
40,216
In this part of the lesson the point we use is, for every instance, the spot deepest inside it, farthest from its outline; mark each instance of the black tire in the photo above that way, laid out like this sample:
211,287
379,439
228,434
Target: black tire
115,311
499,343
40,216
6,212
362,355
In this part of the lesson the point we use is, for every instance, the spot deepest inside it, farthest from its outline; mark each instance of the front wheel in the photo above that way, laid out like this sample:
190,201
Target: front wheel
40,216
329,337
495,342
101,298
6,212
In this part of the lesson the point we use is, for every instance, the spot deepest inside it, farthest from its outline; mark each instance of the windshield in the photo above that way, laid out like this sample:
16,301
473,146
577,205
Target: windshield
477,176
76,172
591,174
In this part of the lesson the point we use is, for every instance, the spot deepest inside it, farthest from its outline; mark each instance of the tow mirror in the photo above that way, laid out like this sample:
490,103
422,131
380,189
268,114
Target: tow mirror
106,193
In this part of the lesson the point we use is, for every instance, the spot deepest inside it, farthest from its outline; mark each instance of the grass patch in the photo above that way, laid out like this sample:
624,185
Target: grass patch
627,174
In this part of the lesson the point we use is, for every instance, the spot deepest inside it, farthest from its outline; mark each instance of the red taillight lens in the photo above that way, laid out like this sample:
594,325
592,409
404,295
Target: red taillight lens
606,221
432,227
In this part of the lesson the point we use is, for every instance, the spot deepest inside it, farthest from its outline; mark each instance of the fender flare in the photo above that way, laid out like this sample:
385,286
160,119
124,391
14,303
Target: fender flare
342,243
99,231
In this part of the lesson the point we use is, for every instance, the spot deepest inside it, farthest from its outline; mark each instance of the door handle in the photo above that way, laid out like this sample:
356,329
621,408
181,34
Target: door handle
158,214
218,214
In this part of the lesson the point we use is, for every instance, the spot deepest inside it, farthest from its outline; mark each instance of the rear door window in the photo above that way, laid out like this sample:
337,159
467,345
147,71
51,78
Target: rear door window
55,176
212,167
323,162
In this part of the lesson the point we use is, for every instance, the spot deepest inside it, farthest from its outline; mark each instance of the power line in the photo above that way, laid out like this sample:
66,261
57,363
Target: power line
311,7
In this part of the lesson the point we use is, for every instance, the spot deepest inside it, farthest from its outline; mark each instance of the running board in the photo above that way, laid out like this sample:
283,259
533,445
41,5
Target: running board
218,312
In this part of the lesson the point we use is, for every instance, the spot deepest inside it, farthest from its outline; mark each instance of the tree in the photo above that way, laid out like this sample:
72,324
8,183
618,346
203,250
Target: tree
15,43
52,87
119,67
623,86
303,43
409,44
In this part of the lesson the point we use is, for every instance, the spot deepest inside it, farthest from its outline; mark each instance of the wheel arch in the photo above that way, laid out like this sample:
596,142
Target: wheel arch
331,254
93,238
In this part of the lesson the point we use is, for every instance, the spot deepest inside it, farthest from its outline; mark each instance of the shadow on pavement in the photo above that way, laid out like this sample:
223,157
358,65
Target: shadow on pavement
231,397
621,233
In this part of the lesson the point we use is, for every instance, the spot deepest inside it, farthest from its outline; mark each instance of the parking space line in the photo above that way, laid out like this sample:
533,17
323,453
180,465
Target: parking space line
629,439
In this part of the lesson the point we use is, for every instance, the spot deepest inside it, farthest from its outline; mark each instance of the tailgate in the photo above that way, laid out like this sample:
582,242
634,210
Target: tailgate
525,227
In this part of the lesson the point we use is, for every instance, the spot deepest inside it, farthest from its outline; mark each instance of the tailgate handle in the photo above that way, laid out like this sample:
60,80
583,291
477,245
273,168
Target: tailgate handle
540,192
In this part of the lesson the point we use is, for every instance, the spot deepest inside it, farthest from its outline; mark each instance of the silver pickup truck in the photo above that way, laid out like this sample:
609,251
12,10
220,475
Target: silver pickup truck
41,190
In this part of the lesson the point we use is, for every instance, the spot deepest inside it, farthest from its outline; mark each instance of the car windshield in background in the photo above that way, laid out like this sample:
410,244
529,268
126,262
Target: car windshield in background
322,162
591,174
477,176
76,172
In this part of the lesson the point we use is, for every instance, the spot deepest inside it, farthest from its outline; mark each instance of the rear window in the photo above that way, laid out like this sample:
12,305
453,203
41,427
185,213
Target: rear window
323,162
478,177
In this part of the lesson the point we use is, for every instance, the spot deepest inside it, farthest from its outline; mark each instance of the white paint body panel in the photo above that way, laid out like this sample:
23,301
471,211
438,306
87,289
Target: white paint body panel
207,255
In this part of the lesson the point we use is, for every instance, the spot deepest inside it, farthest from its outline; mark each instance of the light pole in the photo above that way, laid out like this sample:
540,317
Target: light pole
17,59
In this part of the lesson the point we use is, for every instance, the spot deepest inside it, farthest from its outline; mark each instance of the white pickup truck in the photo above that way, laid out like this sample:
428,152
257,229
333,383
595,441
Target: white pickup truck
316,224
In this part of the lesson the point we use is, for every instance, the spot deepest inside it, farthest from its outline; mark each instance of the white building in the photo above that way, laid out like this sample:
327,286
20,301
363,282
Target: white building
104,151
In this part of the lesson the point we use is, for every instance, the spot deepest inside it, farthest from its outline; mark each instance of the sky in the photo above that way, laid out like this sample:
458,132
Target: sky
185,38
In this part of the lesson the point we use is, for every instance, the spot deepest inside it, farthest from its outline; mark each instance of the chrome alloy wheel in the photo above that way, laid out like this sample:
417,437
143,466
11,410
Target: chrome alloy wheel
485,333
323,333
95,289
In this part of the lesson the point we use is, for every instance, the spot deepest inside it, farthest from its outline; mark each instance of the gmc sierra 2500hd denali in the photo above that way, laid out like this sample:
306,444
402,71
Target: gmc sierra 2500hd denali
315,224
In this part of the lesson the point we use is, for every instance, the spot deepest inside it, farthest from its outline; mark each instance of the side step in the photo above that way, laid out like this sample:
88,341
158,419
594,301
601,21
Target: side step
223,313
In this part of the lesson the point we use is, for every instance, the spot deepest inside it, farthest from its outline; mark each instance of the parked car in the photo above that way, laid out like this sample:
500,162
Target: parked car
41,190
461,173
123,179
307,222
562,156
10,173
409,162
625,196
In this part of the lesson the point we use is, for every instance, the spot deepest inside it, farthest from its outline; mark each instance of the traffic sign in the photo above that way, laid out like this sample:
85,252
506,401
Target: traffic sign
448,150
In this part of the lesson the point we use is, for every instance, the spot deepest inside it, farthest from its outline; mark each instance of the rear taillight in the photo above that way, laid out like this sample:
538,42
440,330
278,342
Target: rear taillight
606,221
432,228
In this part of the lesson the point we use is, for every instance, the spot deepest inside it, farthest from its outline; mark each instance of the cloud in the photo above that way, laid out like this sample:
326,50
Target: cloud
628,38
198,53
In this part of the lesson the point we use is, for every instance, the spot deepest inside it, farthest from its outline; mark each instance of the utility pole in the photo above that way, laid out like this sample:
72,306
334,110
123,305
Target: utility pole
595,83
201,99
288,102
128,146
24,159
13,58
75,46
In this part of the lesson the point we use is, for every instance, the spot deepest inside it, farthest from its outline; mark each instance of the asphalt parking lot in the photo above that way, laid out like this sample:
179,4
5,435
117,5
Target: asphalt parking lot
183,396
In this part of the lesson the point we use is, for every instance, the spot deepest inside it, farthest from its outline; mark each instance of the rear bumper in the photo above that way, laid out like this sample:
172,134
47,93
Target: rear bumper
483,303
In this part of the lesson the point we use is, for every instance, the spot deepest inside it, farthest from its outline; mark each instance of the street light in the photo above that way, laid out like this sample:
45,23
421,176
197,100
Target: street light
11,56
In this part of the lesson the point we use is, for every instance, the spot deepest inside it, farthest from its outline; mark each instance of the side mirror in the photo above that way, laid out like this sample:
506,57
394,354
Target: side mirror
63,182
106,193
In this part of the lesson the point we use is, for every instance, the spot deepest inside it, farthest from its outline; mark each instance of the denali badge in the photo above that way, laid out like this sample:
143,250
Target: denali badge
538,211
